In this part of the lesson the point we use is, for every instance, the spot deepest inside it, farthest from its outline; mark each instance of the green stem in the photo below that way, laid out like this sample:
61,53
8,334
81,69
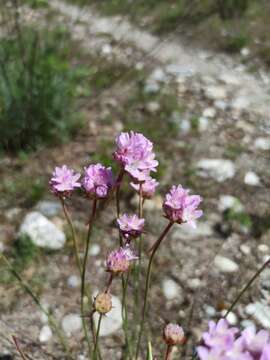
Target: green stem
29,291
124,312
148,276
74,237
90,226
117,197
168,354
97,336
246,287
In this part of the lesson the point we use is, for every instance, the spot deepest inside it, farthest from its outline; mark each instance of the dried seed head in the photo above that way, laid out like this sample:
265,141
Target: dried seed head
173,335
103,303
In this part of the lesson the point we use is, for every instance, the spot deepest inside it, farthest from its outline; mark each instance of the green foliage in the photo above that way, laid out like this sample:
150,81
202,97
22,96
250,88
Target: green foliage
232,8
241,217
24,252
36,89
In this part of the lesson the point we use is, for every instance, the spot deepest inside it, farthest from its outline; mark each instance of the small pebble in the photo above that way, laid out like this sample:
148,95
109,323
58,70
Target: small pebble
45,334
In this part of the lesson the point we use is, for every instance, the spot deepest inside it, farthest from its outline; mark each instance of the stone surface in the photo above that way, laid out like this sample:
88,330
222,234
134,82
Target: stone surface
42,232
215,92
225,265
172,290
252,179
49,208
209,112
227,202
45,334
218,169
94,250
185,231
262,143
73,281
71,323
112,322
260,312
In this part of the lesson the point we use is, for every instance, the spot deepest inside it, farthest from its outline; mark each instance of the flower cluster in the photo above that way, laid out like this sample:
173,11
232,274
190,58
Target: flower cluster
97,180
222,342
181,207
173,335
148,187
135,154
118,261
64,180
131,226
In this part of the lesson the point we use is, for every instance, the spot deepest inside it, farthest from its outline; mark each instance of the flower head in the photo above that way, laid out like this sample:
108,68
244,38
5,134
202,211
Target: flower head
255,342
97,180
181,207
118,261
103,303
64,180
131,226
148,187
173,334
135,153
219,335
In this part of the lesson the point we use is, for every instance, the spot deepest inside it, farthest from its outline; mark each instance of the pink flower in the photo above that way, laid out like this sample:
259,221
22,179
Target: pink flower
64,180
220,335
173,335
131,226
148,187
181,207
266,353
97,180
118,261
135,153
255,342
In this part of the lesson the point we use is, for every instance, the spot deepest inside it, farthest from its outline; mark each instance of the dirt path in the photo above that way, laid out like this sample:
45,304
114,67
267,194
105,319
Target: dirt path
246,91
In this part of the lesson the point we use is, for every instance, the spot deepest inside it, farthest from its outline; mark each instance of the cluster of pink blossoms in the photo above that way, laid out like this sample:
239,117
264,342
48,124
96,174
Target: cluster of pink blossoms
131,226
135,154
118,261
181,207
222,342
64,181
97,180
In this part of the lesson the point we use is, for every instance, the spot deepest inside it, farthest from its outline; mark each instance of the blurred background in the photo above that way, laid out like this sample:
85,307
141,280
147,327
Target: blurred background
192,76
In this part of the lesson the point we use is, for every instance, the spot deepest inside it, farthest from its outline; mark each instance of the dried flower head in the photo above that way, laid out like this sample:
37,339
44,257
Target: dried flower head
131,226
103,303
97,180
64,180
135,153
181,207
173,335
118,261
148,187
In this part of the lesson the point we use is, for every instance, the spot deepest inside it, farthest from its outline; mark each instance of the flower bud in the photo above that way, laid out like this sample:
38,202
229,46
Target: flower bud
103,303
173,335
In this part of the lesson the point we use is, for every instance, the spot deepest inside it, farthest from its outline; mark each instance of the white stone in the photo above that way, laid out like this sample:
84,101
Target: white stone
42,232
171,290
221,104
45,334
262,143
263,248
184,126
106,49
94,250
248,324
245,249
252,179
153,106
209,112
210,310
71,323
203,123
231,317
230,202
245,51
240,103
215,92
194,283
73,281
151,87
218,169
187,232
158,75
48,208
112,322
225,265
261,312
229,79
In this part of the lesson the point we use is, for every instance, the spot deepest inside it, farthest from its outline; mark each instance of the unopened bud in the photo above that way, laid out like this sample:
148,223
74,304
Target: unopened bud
173,335
103,303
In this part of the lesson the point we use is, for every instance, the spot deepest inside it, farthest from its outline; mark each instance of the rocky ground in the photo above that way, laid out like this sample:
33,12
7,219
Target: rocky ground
209,120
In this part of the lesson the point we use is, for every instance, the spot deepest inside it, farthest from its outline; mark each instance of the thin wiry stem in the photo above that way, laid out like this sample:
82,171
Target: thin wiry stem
117,197
90,226
50,317
246,287
18,348
148,276
97,336
73,235
168,354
